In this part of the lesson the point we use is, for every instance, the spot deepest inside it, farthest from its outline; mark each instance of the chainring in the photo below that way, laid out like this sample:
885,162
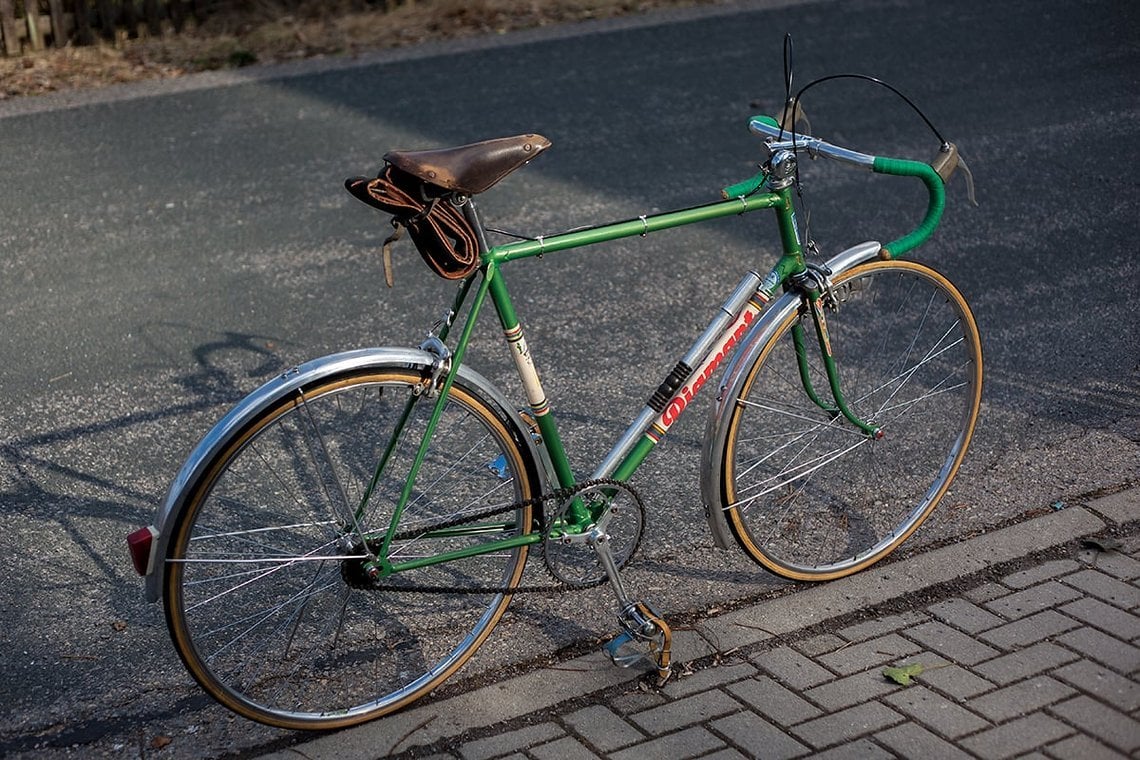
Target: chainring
573,560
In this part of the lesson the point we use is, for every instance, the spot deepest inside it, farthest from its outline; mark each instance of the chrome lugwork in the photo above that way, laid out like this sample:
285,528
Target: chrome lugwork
294,381
734,375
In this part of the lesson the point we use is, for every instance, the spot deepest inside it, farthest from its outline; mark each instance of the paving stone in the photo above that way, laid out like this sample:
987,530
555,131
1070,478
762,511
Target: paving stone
1024,663
1016,737
1104,616
792,668
1043,572
1026,631
1103,648
1120,507
772,700
867,654
964,615
951,643
846,725
869,629
1081,747
501,744
986,592
1020,698
708,678
757,737
851,690
1117,564
1033,599
935,711
818,645
603,728
636,701
956,681
728,753
1106,587
863,749
566,748
1109,726
1120,692
692,742
912,740
685,712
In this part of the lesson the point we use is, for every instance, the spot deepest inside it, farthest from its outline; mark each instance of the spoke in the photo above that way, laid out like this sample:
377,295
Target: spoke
252,531
801,471
906,406
279,564
908,373
429,488
328,461
255,621
473,506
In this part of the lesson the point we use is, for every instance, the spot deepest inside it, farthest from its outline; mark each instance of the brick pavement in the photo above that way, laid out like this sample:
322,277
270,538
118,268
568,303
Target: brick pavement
1034,658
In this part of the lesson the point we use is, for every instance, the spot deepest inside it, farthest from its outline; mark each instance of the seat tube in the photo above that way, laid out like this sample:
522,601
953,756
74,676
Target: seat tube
528,374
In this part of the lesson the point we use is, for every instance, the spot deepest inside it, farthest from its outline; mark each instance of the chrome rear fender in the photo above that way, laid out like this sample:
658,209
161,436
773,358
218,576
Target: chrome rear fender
289,382
716,430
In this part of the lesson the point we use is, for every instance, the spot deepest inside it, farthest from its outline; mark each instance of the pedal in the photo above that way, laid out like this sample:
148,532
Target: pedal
648,638
625,650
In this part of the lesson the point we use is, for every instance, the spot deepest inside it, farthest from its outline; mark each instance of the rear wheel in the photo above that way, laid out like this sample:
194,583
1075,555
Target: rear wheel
267,594
807,494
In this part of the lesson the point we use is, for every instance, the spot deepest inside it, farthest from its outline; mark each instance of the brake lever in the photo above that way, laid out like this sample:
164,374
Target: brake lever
792,116
947,162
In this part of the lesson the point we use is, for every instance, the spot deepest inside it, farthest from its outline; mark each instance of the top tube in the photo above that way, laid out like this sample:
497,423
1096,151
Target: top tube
642,225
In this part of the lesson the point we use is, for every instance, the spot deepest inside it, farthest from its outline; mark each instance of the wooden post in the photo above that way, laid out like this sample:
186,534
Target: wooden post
32,17
58,33
8,28
82,15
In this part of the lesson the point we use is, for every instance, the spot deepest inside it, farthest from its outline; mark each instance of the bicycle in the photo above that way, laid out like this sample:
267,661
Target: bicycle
344,539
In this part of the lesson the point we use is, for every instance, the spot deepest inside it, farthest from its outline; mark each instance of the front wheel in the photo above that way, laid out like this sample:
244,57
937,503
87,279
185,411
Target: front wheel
268,596
806,493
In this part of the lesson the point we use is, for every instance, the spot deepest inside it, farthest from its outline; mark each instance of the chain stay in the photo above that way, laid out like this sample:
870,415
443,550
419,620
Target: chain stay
560,494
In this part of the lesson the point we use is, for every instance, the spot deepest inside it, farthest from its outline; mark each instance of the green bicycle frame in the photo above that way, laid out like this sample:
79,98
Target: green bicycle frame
673,396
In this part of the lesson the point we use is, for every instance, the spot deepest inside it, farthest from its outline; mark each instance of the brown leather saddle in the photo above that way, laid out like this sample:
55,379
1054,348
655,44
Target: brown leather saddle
469,169
418,189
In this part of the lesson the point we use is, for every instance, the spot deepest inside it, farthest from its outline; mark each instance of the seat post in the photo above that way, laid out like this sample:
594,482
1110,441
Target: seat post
471,214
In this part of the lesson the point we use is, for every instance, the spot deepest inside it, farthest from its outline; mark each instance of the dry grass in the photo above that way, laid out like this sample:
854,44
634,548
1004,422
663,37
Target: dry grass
278,30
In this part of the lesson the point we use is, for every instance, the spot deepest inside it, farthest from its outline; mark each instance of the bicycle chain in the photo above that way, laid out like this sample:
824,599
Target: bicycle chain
560,494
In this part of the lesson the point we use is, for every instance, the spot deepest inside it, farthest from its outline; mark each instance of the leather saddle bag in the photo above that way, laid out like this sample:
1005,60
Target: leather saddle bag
441,233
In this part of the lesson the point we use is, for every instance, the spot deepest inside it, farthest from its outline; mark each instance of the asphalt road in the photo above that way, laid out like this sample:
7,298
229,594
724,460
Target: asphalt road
166,247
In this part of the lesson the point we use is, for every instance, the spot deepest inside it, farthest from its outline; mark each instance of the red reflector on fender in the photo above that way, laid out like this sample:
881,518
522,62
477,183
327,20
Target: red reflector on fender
141,544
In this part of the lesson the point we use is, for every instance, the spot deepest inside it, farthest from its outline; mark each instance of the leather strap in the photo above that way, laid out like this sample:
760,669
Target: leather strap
442,235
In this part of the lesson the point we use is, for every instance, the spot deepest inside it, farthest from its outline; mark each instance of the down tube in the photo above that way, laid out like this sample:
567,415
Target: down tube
659,415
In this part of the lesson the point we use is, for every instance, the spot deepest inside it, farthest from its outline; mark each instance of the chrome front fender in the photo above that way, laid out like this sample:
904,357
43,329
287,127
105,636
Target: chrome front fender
716,429
286,383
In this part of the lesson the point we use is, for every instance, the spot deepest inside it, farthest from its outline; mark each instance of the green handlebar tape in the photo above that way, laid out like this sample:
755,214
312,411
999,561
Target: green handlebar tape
751,185
934,185
747,187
